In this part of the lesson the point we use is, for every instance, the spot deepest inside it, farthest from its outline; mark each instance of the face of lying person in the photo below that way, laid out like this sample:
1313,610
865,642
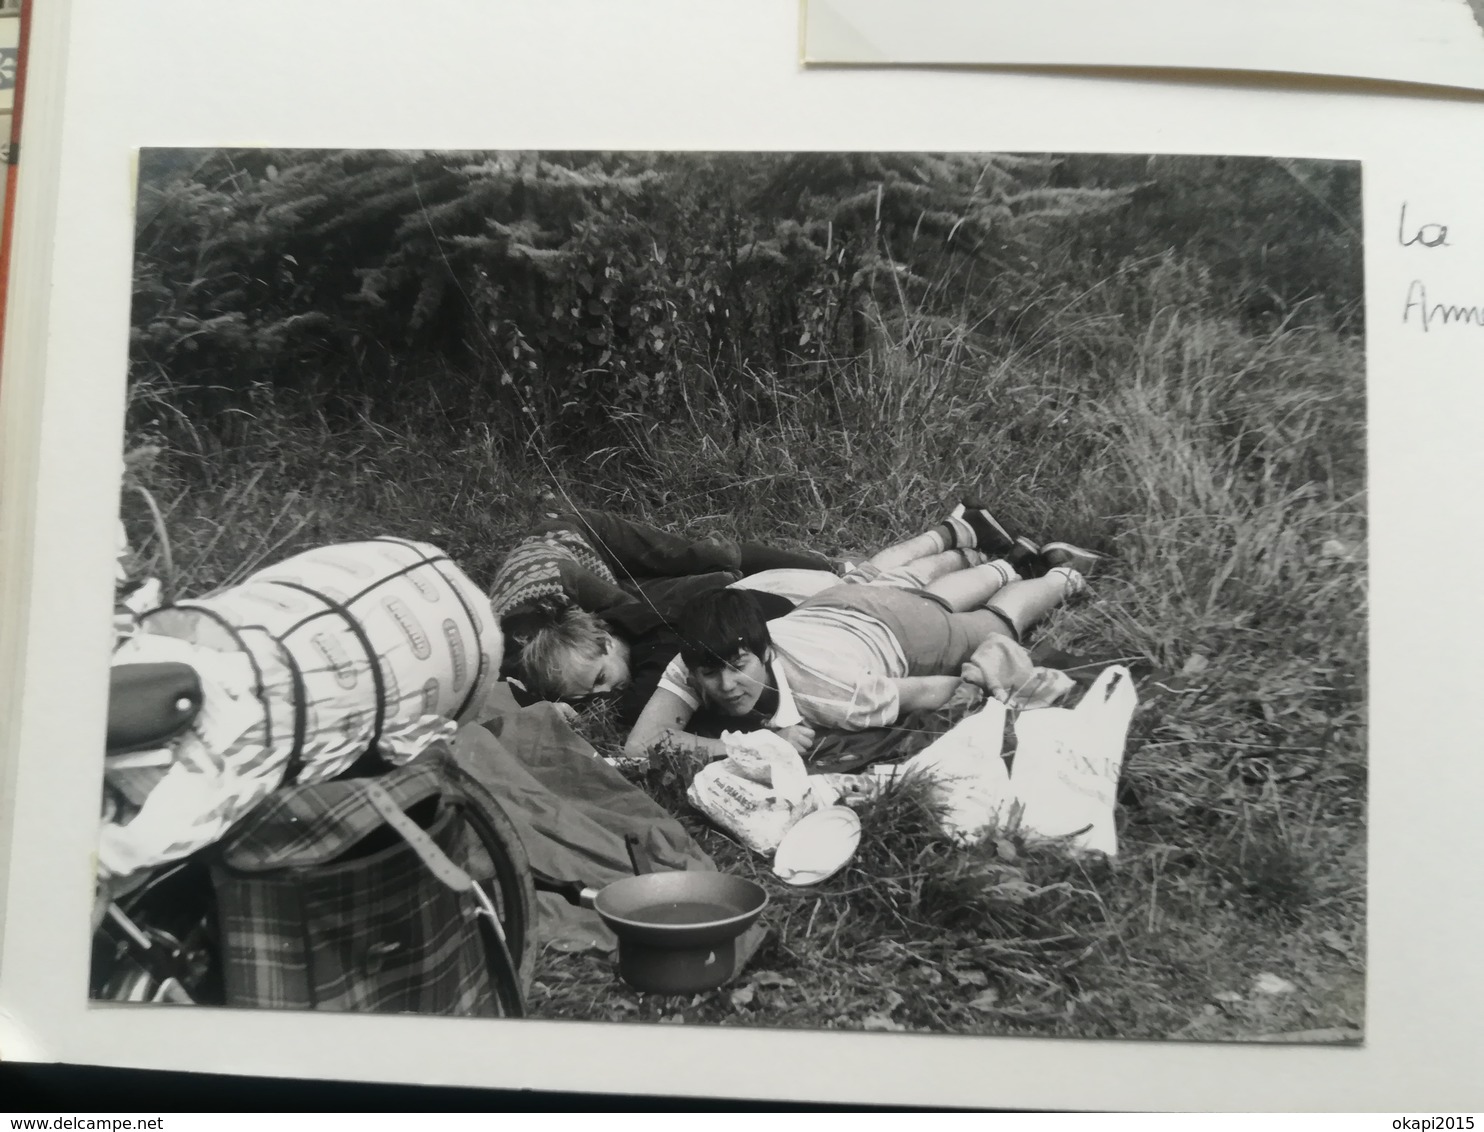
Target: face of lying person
598,675
734,688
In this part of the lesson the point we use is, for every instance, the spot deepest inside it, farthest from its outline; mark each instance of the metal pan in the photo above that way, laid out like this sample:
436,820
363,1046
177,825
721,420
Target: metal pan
677,931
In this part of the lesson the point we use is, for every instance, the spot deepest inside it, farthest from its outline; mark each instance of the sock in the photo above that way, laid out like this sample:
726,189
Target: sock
954,533
1076,583
1005,570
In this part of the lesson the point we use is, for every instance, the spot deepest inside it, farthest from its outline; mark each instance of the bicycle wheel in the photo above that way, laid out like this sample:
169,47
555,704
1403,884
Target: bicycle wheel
510,887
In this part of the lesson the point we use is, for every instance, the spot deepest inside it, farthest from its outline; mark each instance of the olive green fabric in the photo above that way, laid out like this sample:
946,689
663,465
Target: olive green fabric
572,811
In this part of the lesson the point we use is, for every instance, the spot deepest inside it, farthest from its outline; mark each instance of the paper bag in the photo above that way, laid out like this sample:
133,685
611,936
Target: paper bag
758,791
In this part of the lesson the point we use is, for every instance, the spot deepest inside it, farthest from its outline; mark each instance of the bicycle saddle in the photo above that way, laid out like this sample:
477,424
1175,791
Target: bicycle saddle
150,704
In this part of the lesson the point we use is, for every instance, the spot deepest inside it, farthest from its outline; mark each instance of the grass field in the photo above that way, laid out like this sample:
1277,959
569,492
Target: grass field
1221,466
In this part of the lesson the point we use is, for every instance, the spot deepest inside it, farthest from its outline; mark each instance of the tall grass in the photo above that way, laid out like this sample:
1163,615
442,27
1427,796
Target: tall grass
1222,467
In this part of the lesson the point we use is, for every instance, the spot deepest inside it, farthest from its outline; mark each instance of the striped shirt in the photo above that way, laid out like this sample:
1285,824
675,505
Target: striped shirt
833,667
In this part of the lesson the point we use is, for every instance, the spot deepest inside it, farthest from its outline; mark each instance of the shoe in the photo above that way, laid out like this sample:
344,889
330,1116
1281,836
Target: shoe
989,535
1025,558
1055,554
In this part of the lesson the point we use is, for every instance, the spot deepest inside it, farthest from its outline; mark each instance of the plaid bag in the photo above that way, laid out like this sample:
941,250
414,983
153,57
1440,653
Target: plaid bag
374,895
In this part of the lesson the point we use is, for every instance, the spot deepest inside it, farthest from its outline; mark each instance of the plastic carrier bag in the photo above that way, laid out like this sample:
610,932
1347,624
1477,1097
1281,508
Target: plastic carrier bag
1068,760
305,666
1063,782
972,781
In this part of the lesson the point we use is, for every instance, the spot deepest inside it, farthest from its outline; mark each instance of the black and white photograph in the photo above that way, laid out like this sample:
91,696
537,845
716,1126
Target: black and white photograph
919,592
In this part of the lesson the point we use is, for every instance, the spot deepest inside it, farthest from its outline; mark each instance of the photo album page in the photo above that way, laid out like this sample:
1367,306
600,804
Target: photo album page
713,550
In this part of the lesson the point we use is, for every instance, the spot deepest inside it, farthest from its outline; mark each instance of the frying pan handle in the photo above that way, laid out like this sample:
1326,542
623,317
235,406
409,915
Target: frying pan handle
573,892
638,858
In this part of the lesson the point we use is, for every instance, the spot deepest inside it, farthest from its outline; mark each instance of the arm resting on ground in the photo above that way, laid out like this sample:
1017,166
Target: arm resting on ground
663,719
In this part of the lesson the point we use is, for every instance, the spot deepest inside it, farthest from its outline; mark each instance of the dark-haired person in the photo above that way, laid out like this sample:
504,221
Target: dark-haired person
849,658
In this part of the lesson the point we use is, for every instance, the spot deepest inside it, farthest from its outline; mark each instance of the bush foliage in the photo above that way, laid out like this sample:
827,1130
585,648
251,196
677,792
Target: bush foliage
572,292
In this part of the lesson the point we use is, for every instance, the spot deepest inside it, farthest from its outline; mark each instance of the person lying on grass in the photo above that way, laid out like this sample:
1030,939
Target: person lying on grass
597,561
849,658
579,653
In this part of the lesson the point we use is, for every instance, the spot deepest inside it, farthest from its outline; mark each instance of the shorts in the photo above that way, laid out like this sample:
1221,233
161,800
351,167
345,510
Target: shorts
933,639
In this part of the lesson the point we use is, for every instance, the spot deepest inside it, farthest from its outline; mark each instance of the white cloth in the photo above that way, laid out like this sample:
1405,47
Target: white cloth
794,583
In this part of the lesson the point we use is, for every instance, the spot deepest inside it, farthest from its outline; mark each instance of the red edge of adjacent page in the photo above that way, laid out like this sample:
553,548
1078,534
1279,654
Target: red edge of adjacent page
7,226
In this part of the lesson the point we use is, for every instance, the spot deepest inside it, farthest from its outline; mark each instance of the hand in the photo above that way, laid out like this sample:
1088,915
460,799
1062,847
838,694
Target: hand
969,693
971,674
799,735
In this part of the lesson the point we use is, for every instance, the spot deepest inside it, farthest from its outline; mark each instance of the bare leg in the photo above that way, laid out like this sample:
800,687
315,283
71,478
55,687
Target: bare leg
1021,604
925,545
1024,603
923,571
979,625
972,588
